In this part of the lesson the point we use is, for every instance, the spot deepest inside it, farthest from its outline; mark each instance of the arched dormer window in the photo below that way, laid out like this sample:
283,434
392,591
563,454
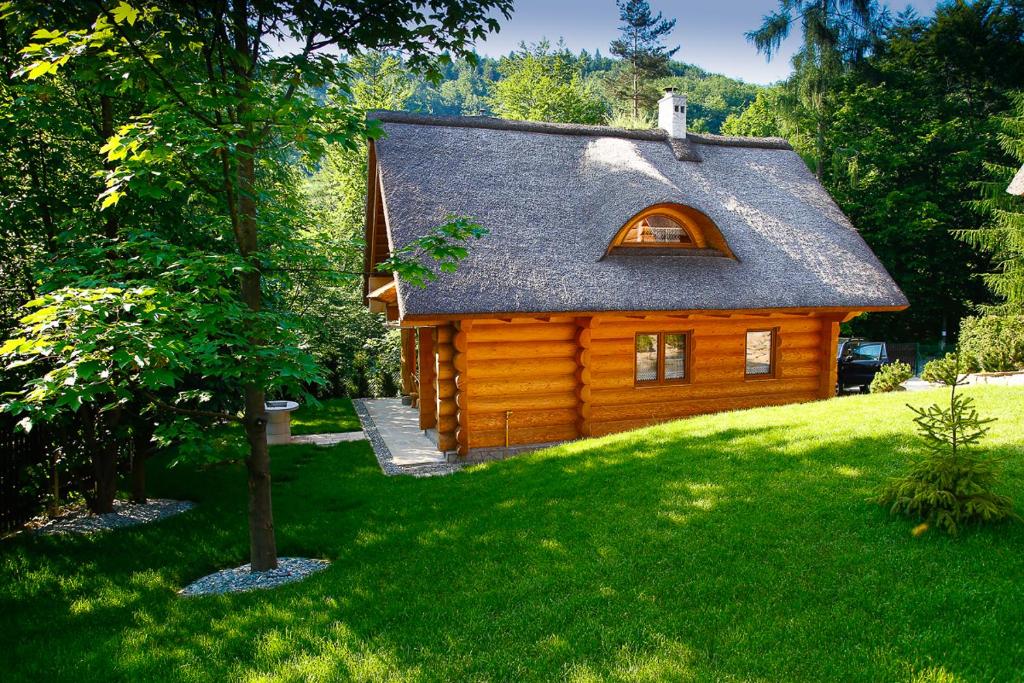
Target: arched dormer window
670,230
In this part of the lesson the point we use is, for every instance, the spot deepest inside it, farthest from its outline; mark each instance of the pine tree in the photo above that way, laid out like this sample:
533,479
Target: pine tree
836,33
643,55
1003,235
951,484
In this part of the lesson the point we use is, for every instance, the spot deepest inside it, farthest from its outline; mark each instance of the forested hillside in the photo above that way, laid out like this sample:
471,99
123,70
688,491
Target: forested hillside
469,89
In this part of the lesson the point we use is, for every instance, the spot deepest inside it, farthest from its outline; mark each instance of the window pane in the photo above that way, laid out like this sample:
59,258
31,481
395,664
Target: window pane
657,229
675,356
867,352
646,358
759,353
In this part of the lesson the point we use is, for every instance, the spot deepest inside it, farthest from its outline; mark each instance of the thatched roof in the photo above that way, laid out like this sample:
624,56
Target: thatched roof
553,196
1017,184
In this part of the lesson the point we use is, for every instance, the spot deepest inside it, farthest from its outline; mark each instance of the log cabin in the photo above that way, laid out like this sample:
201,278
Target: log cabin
628,277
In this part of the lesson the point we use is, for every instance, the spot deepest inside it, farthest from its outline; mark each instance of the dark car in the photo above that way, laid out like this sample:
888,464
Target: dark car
858,362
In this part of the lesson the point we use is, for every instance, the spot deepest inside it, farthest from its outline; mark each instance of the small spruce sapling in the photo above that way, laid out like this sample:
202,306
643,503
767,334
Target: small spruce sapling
950,485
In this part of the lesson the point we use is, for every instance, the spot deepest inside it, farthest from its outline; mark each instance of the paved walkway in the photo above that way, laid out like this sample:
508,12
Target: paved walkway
400,444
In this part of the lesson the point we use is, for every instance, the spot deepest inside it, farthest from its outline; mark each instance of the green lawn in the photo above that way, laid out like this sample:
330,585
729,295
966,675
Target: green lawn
332,415
730,547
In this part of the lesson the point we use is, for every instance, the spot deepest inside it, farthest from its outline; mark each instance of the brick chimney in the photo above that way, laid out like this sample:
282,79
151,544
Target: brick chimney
672,114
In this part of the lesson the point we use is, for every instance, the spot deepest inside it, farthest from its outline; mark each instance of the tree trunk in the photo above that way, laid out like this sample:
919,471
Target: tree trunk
262,543
104,464
142,446
636,80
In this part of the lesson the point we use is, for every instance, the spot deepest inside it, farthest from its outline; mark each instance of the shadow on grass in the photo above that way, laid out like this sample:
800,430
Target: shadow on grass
741,548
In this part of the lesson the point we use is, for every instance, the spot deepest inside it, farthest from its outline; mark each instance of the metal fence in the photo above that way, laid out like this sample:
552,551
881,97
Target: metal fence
916,354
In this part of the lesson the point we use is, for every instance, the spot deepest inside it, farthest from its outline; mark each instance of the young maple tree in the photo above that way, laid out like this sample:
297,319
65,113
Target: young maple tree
229,88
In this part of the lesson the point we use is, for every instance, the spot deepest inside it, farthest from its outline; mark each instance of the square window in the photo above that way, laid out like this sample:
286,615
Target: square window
760,360
660,358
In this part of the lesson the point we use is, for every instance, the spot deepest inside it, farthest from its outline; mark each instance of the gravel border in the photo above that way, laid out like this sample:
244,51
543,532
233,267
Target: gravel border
326,439
79,520
384,457
243,579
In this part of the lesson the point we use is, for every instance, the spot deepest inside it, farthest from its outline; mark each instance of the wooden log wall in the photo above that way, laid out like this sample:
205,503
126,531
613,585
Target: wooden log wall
524,372
717,364
428,378
584,408
560,378
460,362
446,418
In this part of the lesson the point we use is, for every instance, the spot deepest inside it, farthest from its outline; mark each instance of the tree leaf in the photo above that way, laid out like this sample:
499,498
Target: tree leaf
38,69
125,12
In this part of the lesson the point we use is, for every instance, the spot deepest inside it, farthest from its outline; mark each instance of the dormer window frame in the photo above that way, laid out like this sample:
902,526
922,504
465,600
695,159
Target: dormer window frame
704,236
693,237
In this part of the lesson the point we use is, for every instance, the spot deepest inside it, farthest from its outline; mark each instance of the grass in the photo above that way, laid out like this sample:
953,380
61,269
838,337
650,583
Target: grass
731,547
332,415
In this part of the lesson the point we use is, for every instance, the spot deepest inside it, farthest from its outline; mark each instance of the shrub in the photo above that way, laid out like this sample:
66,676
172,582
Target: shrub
383,359
937,369
890,376
992,343
621,119
949,486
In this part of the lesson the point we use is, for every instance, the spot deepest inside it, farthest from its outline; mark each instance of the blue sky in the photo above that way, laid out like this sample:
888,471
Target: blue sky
710,33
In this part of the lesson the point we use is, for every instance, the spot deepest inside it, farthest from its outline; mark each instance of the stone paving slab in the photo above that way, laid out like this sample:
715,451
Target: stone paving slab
399,426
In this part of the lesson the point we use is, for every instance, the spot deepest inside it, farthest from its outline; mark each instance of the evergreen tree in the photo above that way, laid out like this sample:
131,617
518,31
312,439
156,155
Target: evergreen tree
1003,234
950,485
836,33
643,54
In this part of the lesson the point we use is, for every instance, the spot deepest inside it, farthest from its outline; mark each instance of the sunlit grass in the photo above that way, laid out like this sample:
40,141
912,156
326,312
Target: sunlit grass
332,415
732,547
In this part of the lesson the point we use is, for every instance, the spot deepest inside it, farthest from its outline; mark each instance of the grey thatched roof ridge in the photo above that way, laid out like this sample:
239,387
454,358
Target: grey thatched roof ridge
738,141
553,201
490,123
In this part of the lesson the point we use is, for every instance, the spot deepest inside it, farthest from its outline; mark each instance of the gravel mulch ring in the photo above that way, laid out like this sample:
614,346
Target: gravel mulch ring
79,520
240,579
